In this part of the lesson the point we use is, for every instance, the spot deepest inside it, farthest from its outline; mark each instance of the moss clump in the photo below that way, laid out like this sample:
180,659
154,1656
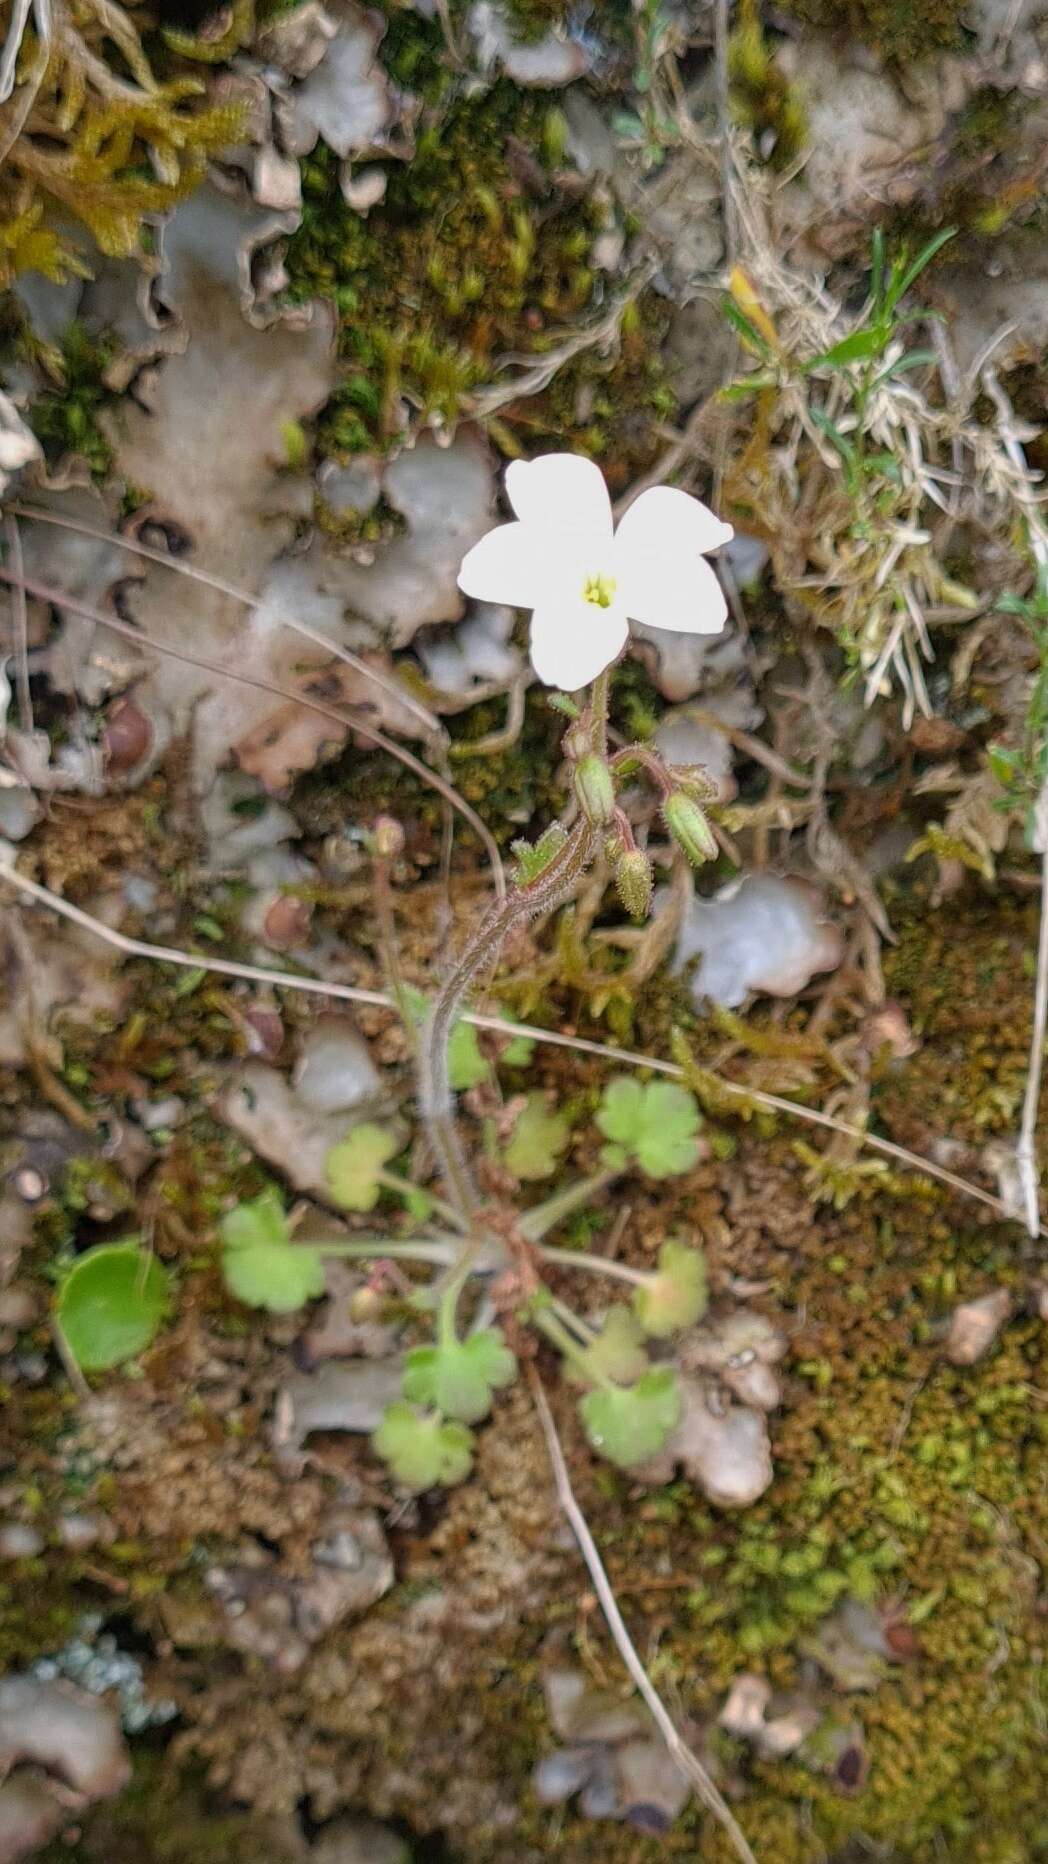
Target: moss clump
105,143
455,265
163,1819
897,28
65,419
761,96
474,252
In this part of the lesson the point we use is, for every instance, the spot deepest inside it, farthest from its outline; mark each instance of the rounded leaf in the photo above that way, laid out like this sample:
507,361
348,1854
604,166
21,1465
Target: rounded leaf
111,1304
618,1353
277,1276
677,1295
353,1168
537,1141
627,1424
422,1449
460,1376
657,1124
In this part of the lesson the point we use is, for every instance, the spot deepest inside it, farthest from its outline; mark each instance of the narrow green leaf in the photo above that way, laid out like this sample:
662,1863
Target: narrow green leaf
910,273
913,359
859,347
751,385
747,330
877,265
826,426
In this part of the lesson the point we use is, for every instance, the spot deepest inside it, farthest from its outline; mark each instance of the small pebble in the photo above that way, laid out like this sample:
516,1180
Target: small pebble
30,1184
286,923
975,1325
155,1115
126,738
19,1541
78,1532
18,1308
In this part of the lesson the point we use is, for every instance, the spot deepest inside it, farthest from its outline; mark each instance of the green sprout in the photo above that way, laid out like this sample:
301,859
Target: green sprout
656,1126
422,1449
533,858
261,1264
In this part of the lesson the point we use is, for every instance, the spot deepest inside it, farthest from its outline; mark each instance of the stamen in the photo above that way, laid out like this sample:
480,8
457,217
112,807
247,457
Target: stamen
600,590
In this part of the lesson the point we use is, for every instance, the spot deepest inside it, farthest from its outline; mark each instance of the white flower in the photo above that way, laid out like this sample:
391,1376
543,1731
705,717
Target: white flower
584,580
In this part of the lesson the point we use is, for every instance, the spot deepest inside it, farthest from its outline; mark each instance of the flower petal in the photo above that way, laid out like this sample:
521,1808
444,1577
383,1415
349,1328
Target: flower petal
666,520
561,492
572,641
676,593
504,567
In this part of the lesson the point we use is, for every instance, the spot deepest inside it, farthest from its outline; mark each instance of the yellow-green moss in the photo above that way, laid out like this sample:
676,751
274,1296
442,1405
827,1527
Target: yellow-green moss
101,154
762,97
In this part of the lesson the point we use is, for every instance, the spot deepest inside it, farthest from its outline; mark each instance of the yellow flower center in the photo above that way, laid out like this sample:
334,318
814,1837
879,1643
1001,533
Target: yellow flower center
600,590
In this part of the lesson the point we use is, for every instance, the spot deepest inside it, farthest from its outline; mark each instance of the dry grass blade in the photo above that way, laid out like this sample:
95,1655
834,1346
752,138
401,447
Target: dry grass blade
218,583
580,1045
690,1766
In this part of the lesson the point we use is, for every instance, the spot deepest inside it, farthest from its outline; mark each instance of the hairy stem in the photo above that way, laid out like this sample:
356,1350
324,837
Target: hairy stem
404,1188
375,1248
551,888
542,1218
596,1265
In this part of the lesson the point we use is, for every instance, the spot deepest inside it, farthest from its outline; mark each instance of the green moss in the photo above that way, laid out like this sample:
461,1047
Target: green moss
473,253
414,52
761,96
898,28
162,1818
66,419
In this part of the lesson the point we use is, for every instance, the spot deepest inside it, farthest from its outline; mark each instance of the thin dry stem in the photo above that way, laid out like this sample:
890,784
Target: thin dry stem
19,628
580,1045
346,721
221,587
1026,1150
690,1765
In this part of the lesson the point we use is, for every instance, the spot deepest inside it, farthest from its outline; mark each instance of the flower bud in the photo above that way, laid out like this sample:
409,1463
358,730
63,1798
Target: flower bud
595,789
387,838
695,781
633,878
689,828
578,743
